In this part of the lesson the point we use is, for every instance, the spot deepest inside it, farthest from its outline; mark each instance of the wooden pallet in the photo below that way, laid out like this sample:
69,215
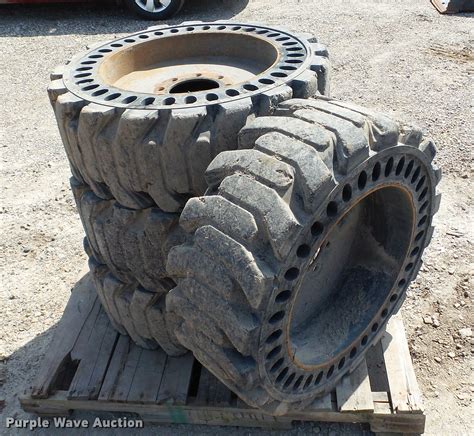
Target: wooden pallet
91,367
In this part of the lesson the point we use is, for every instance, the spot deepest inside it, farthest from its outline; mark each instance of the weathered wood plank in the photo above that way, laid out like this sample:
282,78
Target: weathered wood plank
398,423
353,391
115,368
406,396
211,392
106,349
376,368
202,396
148,375
125,377
87,350
395,374
176,380
77,310
321,404
221,394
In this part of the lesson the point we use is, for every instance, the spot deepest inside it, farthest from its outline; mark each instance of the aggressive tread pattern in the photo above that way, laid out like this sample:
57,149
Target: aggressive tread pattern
320,141
135,311
134,244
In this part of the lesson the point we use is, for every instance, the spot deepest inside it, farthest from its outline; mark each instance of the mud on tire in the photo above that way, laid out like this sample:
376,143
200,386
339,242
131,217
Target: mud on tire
324,193
150,147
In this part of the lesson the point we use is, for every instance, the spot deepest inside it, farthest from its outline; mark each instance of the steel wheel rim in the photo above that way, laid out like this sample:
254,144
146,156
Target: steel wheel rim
83,77
287,376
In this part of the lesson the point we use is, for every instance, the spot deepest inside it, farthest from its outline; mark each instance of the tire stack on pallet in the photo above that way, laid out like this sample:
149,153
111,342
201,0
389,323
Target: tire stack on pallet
232,209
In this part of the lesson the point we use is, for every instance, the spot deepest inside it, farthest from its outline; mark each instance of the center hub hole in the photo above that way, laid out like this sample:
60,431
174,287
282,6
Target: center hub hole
194,85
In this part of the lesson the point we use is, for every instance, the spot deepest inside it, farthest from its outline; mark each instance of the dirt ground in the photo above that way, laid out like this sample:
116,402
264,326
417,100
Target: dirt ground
399,56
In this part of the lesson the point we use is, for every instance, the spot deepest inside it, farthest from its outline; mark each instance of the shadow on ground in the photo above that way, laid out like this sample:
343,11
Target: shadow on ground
101,17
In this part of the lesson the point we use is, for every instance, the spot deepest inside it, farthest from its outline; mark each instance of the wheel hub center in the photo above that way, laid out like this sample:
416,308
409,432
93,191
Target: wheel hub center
191,82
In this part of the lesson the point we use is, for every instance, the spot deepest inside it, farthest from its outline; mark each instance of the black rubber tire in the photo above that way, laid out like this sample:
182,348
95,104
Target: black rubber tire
134,311
134,244
143,157
257,230
173,8
127,252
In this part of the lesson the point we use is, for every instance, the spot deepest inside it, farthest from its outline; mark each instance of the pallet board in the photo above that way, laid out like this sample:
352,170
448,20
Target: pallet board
91,367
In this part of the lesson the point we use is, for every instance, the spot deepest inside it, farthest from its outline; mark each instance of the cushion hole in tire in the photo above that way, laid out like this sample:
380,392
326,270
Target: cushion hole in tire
389,167
330,372
303,251
283,296
292,274
289,380
415,175
376,172
409,168
277,364
282,375
274,336
362,181
277,317
400,166
419,235
423,207
274,352
347,193
420,183
341,363
331,210
316,229
298,383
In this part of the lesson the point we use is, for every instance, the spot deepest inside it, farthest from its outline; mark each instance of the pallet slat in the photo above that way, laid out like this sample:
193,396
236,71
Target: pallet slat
117,362
148,375
211,391
93,349
354,392
176,380
404,390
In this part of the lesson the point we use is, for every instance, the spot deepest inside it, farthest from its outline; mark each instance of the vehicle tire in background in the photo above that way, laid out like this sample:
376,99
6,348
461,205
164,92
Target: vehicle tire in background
141,117
302,248
154,9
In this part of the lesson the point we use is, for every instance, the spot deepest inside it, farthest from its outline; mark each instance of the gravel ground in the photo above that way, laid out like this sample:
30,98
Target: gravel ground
397,56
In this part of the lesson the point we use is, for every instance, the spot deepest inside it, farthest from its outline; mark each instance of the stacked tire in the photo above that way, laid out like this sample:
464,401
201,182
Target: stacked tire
137,157
304,245
234,210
